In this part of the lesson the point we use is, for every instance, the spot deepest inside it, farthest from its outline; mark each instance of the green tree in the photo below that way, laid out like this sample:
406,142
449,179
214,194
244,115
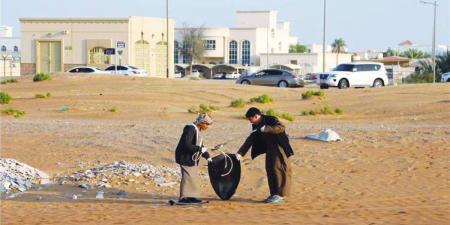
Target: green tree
298,48
443,64
338,47
390,52
414,53
193,46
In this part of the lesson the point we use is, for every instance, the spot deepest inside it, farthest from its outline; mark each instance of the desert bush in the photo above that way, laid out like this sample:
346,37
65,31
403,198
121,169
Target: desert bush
270,112
203,108
287,116
264,99
308,94
326,110
113,109
9,81
48,95
237,103
39,96
13,112
5,98
41,77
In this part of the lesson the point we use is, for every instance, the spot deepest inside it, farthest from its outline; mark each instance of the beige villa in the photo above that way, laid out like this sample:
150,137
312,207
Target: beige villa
54,45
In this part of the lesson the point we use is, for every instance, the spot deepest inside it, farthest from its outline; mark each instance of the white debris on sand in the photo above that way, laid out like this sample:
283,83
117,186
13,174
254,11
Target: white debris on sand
327,135
17,176
122,172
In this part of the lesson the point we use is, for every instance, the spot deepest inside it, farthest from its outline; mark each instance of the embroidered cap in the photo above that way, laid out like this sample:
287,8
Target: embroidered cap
203,118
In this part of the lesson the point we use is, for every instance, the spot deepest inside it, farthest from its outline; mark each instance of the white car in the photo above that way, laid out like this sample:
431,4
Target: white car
126,70
445,77
360,74
86,69
219,75
233,75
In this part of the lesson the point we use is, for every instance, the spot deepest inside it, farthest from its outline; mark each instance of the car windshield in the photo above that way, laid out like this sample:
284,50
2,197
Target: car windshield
344,67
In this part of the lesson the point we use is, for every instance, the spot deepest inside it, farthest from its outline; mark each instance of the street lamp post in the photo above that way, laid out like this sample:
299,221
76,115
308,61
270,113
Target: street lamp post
167,38
324,33
434,3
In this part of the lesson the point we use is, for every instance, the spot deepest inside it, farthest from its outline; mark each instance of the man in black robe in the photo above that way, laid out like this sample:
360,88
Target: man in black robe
269,137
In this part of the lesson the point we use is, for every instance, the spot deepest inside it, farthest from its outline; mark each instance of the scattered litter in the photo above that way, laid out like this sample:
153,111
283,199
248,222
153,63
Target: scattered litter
327,135
121,172
18,176
122,193
99,195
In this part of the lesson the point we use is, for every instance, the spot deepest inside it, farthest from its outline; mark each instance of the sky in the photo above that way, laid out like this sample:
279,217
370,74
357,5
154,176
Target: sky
363,24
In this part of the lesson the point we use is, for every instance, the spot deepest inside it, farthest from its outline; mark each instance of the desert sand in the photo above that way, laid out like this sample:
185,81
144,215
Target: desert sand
392,166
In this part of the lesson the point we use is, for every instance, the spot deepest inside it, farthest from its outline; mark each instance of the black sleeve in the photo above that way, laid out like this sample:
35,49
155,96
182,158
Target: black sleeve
246,146
187,138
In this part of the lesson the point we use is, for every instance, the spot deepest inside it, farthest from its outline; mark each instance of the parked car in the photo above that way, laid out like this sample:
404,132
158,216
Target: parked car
126,70
196,73
361,74
220,75
178,74
232,75
445,77
86,69
272,77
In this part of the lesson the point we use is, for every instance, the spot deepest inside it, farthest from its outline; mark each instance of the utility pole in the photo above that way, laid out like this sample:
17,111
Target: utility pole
433,49
167,38
324,33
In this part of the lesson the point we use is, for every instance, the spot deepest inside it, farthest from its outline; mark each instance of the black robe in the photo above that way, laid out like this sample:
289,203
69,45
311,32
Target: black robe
186,147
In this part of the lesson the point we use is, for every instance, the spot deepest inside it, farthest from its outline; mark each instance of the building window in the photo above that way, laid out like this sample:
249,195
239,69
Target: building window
185,53
16,49
97,56
177,51
246,52
280,46
3,48
233,52
209,44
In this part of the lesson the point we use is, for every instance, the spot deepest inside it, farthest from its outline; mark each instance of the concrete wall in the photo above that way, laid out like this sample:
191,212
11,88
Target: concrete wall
154,31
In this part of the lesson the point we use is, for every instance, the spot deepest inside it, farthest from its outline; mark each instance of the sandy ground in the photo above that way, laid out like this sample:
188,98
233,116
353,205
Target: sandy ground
392,166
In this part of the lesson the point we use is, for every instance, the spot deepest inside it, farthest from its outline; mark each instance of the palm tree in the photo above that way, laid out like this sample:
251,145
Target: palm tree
338,47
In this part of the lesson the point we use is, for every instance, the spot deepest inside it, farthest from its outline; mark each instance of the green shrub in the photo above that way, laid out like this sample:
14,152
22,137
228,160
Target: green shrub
308,94
287,116
41,77
5,98
203,108
48,95
270,112
237,103
113,109
262,99
13,112
326,110
9,81
39,96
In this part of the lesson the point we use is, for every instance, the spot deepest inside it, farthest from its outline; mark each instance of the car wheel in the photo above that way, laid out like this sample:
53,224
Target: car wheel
343,84
245,82
448,80
323,86
283,84
378,83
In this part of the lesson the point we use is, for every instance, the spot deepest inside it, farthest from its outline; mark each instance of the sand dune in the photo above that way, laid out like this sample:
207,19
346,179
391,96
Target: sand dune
392,166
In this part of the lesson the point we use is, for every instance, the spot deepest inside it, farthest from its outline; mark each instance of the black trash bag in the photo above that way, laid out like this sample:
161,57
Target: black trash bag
224,174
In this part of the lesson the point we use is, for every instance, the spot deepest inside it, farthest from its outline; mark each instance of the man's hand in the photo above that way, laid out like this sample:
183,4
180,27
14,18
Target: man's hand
204,149
238,156
209,160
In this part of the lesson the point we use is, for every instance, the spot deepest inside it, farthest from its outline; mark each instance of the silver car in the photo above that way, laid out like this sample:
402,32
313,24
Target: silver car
272,77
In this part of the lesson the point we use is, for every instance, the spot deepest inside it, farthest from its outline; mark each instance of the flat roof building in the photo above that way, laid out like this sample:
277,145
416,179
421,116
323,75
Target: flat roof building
55,44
